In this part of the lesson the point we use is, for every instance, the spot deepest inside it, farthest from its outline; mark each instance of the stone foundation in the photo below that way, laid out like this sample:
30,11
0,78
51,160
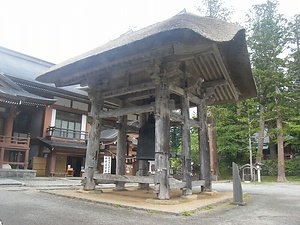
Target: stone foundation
14,173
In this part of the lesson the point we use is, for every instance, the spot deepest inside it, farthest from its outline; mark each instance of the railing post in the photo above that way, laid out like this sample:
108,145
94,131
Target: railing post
27,153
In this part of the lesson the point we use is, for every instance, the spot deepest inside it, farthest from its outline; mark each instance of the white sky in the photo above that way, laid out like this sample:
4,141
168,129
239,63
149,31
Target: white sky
55,30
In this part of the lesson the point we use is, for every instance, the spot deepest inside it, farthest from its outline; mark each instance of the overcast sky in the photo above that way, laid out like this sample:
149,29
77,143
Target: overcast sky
55,30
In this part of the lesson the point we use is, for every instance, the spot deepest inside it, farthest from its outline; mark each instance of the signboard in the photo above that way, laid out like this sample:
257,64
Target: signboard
107,164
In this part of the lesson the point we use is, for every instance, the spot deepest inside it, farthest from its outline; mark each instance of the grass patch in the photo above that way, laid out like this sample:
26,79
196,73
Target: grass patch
209,207
294,178
245,196
270,179
186,213
118,206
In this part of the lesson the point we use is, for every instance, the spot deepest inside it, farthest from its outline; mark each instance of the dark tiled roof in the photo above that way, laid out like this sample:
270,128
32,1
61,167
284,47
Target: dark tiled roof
62,144
21,66
14,94
107,137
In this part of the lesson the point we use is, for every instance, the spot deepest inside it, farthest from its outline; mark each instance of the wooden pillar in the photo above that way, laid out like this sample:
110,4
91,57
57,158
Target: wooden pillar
162,138
92,152
52,161
1,157
214,165
47,119
26,159
27,153
186,145
121,151
9,122
143,164
204,144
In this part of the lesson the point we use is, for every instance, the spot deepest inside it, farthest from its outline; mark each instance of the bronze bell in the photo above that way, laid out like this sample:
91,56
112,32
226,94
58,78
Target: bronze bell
146,141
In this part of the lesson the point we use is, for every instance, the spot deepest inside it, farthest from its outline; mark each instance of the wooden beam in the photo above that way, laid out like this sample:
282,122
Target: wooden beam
110,124
116,62
127,111
174,117
194,123
218,59
128,90
214,83
111,178
180,91
140,95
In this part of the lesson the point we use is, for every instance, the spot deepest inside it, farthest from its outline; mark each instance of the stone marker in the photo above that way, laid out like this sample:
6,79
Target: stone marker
237,187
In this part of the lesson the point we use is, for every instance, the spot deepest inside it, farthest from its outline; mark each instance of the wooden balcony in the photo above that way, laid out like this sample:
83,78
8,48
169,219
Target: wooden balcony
66,134
14,151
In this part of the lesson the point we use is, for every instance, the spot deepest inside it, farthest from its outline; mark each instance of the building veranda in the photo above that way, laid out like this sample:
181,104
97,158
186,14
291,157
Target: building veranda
183,62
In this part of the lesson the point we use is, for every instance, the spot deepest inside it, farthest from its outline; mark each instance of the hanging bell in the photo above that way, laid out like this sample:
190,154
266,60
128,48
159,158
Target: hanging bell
146,141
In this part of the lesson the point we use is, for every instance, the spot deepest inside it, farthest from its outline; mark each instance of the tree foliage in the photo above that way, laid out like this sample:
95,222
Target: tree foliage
215,9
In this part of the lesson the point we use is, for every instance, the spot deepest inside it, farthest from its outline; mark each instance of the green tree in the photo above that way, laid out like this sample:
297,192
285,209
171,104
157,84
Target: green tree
215,9
294,87
175,139
267,41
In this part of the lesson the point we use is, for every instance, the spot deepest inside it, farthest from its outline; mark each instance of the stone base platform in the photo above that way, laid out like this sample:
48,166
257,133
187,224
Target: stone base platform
14,173
147,200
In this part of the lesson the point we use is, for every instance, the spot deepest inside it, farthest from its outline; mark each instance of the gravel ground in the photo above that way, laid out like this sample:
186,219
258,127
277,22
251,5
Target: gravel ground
266,204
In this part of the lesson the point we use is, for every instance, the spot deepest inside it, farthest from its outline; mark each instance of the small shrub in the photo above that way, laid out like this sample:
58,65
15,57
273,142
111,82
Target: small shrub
186,213
292,167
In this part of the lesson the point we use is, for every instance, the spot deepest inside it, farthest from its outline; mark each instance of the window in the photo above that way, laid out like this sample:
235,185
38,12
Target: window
67,125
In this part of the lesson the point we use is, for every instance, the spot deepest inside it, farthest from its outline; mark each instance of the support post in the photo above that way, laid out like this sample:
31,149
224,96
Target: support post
162,138
204,144
27,153
52,160
92,152
143,164
186,145
121,151
2,157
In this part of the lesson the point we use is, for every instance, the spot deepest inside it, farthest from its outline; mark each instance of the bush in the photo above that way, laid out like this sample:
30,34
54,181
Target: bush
292,167
269,168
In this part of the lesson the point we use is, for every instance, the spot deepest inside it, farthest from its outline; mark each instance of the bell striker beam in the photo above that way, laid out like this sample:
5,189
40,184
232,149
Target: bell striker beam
186,147
162,137
143,164
121,151
204,153
92,152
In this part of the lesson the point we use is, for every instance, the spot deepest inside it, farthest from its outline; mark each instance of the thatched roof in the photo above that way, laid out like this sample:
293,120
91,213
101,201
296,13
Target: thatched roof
182,30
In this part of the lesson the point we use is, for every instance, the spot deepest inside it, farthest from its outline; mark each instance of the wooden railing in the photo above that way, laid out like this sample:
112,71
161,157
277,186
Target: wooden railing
14,142
17,149
66,133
